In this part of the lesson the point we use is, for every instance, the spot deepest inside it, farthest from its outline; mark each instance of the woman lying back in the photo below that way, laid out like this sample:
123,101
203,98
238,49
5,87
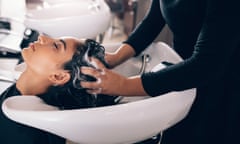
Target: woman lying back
53,74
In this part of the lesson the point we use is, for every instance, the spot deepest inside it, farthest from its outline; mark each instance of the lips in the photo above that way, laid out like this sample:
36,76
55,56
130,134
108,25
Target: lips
31,46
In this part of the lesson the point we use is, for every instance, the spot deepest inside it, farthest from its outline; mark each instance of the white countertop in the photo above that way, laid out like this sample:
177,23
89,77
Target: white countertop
7,72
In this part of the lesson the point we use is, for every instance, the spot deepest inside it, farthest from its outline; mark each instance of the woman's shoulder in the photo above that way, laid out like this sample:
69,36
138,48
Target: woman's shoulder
10,91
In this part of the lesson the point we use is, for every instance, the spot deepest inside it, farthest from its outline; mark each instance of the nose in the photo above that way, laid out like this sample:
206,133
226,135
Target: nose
43,39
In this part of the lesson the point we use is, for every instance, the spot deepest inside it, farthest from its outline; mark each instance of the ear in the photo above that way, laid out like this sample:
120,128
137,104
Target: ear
59,78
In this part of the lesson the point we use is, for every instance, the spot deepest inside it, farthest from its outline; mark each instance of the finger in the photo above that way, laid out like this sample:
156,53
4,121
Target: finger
90,71
98,64
90,85
95,91
107,55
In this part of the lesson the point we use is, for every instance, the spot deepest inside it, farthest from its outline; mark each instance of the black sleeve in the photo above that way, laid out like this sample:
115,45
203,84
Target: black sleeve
215,49
146,31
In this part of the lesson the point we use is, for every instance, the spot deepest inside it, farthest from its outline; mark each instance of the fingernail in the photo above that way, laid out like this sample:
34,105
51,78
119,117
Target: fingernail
99,80
102,72
94,64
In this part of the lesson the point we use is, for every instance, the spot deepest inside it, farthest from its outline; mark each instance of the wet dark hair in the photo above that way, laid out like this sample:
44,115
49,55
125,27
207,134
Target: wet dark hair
71,95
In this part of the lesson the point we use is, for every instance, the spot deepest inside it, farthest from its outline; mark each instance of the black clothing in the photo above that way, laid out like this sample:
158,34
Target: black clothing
16,133
207,35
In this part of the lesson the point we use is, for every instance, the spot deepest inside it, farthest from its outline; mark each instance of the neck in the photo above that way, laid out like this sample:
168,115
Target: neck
29,83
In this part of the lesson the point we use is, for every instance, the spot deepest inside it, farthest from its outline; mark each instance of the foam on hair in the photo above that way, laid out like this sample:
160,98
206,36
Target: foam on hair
72,95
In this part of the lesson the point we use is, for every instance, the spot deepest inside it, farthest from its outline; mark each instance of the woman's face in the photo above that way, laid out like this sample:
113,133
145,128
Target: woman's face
48,55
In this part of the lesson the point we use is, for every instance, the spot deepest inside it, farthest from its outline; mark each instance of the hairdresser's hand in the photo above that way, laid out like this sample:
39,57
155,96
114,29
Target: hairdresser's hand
111,83
108,82
111,59
123,53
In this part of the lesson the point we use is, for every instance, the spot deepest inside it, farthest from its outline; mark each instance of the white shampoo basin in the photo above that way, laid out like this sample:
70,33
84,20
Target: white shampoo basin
79,18
119,124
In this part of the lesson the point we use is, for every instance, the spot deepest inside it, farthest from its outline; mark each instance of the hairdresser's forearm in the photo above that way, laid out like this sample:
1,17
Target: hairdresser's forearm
123,53
132,86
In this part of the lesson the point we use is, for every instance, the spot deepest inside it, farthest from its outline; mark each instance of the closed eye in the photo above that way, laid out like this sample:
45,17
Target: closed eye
55,45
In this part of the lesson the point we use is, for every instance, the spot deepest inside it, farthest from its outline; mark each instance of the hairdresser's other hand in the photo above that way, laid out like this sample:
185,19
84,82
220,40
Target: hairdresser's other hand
123,53
110,58
111,83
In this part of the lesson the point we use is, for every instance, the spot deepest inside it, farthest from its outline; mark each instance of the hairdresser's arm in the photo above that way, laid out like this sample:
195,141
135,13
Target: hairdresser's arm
148,29
112,83
143,35
123,53
216,44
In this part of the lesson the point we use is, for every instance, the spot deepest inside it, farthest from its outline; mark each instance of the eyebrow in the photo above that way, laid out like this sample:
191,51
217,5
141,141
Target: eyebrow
64,43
